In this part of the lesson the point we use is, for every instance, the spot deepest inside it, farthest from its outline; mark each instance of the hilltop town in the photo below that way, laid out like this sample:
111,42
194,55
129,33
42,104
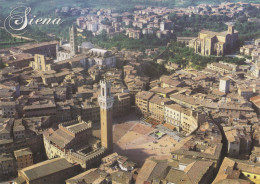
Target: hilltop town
76,113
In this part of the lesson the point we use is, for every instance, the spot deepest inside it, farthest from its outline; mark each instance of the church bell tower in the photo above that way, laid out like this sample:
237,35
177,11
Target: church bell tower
231,29
73,41
106,101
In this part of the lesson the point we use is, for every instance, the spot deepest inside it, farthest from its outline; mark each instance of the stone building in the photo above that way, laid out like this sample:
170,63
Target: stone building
6,129
35,142
18,60
19,131
239,141
41,63
94,175
256,103
8,109
113,169
256,68
51,171
100,57
183,119
237,171
247,50
63,111
255,155
135,34
54,77
46,48
184,171
90,110
24,158
156,107
215,43
142,102
7,165
73,140
40,108
246,93
224,85
222,67
122,104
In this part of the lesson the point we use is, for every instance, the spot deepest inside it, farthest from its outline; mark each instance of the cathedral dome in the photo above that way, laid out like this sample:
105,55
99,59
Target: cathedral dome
87,45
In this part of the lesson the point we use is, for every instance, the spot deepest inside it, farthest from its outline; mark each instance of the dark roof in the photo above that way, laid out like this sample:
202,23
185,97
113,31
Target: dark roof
46,168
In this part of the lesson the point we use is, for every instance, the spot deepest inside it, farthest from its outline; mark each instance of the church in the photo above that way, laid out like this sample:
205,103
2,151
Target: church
92,56
215,43
67,50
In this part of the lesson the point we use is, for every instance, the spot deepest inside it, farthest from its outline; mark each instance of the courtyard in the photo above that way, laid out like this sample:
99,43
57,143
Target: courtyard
132,138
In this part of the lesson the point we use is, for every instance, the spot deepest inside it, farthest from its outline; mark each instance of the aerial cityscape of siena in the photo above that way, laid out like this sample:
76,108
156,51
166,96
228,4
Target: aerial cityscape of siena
130,92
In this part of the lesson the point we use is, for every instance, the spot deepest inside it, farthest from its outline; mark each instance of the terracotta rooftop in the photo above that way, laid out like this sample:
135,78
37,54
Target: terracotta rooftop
146,95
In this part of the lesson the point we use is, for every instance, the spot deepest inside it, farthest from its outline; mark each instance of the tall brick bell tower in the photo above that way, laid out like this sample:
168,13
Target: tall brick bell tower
106,101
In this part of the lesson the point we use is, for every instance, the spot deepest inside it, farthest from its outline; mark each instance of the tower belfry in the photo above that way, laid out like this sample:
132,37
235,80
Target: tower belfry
106,101
231,29
73,41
